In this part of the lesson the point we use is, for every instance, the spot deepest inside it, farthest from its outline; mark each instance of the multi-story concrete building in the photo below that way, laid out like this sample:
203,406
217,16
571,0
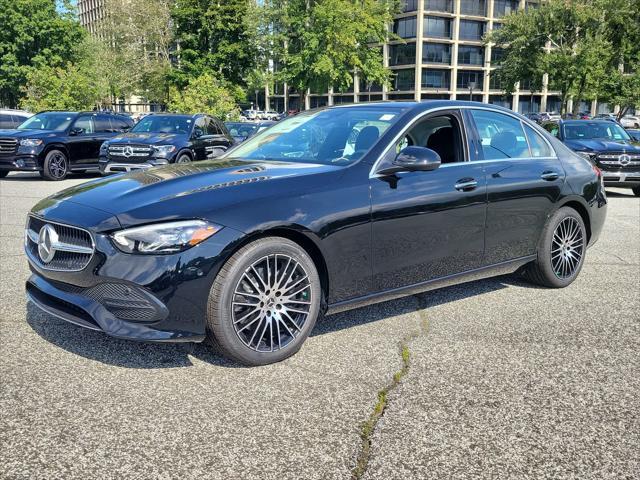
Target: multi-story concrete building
89,13
441,56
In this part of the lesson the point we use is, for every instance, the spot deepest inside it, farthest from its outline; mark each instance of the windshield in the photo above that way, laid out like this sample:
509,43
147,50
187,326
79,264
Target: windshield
164,124
56,121
333,136
239,129
594,130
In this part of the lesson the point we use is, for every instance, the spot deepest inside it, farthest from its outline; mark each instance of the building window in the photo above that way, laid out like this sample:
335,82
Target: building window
409,5
497,54
367,86
404,79
405,27
465,77
470,55
436,79
471,30
504,7
473,7
439,5
402,54
494,82
497,26
501,100
531,5
436,53
437,27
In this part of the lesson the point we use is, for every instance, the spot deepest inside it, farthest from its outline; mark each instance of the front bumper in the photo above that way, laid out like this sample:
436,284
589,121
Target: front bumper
159,298
20,163
621,178
108,166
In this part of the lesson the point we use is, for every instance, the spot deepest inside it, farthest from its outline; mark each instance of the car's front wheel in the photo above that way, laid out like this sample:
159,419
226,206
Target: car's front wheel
183,158
561,250
4,173
264,302
55,166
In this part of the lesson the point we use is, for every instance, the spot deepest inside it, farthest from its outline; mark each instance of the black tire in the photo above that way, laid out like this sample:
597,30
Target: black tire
225,324
183,158
4,173
558,266
55,166
636,191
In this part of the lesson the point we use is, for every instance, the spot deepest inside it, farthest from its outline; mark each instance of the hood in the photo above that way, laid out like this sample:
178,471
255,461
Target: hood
150,138
596,145
192,190
29,133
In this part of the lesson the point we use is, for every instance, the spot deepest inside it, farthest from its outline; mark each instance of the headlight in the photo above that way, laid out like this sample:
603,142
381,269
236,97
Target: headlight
169,237
588,155
104,147
164,150
30,142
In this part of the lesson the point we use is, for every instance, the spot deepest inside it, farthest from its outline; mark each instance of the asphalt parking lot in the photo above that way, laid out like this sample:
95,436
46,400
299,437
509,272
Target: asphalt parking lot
501,380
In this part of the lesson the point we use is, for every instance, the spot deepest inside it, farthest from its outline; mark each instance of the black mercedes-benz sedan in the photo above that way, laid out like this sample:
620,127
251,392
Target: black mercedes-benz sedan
325,211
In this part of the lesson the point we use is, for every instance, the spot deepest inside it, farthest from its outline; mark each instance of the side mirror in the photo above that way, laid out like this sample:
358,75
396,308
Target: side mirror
413,159
197,132
76,131
126,128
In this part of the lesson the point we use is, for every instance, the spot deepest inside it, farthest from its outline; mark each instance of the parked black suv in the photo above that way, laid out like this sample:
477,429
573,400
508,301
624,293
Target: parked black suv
57,143
165,138
607,145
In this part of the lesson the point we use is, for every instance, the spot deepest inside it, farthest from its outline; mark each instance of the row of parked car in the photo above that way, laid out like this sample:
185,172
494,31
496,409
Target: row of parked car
57,143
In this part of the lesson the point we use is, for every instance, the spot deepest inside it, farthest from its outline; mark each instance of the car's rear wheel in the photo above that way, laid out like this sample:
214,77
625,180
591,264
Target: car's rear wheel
55,166
264,302
561,250
636,191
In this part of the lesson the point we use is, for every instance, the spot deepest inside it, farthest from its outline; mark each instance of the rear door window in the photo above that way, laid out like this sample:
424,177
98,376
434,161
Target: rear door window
85,122
539,147
501,136
102,124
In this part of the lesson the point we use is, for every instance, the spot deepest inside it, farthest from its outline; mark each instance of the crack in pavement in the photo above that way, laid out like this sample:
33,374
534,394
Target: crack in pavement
368,426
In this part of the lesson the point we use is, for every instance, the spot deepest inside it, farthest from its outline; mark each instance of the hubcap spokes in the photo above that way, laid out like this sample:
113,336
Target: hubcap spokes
271,303
567,248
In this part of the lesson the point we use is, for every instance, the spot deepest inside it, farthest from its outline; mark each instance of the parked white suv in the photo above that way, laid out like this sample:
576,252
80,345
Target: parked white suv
10,119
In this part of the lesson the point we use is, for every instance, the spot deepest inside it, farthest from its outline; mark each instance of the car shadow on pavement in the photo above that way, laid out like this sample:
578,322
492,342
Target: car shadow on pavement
142,355
28,176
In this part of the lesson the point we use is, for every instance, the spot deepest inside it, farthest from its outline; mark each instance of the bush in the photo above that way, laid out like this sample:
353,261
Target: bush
205,94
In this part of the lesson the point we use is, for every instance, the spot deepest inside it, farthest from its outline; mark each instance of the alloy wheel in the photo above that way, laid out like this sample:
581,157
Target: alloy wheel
567,248
271,303
58,166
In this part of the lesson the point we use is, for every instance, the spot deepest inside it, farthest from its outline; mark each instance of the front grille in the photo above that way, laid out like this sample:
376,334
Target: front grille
72,247
132,153
619,161
8,146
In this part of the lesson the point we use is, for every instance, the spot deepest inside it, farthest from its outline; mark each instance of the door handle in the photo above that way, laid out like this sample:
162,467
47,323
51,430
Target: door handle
466,184
550,175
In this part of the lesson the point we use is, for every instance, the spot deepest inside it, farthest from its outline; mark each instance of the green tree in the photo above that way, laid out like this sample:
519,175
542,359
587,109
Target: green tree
205,94
133,48
322,43
34,35
212,36
621,85
60,88
564,39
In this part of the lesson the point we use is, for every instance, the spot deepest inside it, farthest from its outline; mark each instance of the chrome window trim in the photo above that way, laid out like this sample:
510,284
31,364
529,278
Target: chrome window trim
41,264
373,171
